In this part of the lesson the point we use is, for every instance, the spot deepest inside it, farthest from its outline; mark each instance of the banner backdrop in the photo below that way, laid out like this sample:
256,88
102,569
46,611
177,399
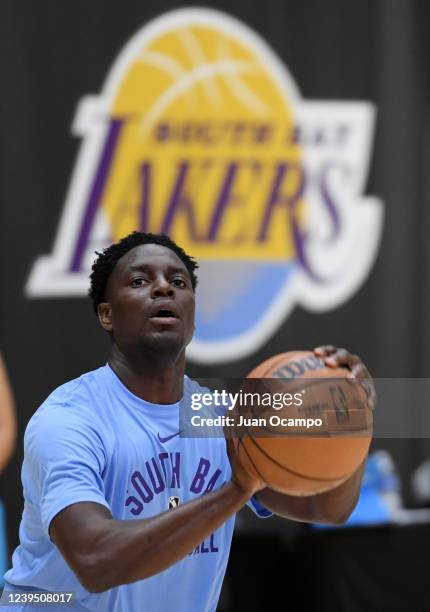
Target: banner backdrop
283,144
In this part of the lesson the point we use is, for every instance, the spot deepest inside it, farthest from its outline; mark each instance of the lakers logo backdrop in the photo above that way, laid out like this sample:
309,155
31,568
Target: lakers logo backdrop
200,133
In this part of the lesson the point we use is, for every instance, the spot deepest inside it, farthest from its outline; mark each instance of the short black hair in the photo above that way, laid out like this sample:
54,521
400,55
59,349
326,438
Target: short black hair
109,257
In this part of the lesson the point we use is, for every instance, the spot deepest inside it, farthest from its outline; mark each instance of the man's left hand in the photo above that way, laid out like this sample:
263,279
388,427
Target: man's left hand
335,357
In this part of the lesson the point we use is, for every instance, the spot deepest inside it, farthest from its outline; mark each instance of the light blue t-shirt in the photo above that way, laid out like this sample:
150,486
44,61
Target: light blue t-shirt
93,440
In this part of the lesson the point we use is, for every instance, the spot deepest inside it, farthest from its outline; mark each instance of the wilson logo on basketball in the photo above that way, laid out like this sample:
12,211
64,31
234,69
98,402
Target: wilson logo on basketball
200,132
296,369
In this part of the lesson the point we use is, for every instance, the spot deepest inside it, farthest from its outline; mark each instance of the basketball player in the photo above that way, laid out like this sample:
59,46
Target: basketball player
7,445
104,460
7,418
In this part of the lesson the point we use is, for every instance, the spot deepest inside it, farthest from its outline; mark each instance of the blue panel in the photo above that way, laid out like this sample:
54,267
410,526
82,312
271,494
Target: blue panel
247,300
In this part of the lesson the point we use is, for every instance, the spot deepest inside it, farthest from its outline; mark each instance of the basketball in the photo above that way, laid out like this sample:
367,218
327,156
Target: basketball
314,441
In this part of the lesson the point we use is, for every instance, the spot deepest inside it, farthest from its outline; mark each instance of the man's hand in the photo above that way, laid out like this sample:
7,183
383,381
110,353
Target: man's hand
246,479
334,506
339,357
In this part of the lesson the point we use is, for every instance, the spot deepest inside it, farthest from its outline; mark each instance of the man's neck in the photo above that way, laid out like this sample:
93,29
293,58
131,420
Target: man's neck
156,378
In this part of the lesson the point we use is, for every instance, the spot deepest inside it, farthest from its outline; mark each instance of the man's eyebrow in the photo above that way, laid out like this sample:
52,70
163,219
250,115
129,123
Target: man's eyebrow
147,267
139,268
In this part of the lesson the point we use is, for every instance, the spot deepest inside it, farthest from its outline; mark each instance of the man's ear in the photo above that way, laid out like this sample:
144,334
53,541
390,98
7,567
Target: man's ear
104,312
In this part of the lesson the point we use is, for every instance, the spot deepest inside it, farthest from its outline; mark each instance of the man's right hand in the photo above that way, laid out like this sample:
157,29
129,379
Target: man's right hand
246,479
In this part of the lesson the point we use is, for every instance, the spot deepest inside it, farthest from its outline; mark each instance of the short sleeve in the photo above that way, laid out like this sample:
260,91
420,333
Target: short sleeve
258,508
64,458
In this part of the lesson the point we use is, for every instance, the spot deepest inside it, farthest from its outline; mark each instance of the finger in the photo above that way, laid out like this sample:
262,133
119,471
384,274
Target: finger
343,358
326,349
358,370
373,396
369,389
340,358
361,374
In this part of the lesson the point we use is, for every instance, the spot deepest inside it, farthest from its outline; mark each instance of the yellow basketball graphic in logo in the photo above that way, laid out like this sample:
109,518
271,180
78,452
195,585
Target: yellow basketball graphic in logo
201,133
205,126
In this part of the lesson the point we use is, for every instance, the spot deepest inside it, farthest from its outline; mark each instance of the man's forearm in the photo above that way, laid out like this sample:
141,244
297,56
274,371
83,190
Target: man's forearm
7,418
120,552
7,445
331,507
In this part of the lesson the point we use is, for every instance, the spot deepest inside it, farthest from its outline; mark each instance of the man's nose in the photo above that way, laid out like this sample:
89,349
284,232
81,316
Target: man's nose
161,287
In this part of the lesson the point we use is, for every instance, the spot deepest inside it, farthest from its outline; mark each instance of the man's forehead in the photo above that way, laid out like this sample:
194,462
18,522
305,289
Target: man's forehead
146,255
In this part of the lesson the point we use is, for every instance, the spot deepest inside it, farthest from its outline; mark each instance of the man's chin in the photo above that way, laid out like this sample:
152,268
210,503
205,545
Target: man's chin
165,341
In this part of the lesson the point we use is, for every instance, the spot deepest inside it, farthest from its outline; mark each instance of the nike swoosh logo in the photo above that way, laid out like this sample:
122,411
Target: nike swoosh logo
167,438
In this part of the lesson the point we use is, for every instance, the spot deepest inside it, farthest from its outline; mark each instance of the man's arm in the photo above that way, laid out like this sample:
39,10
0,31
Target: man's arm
332,507
105,553
7,418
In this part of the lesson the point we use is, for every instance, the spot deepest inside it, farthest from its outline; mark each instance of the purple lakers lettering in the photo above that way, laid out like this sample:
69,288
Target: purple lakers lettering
180,202
272,187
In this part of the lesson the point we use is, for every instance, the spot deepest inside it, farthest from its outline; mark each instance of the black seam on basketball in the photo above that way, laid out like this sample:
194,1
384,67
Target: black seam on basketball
318,380
312,382
282,467
304,434
251,460
309,383
330,434
273,433
316,434
287,469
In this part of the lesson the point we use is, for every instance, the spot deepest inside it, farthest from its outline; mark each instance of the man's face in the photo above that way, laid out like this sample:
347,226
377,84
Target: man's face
150,301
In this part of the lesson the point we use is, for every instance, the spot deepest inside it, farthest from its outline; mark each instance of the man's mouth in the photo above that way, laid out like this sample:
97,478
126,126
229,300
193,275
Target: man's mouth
165,313
164,316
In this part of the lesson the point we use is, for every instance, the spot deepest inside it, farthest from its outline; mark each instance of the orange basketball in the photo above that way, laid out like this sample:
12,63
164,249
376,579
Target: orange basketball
313,440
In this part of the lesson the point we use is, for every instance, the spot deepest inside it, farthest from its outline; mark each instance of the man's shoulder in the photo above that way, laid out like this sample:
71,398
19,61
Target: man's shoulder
72,399
67,424
82,387
194,386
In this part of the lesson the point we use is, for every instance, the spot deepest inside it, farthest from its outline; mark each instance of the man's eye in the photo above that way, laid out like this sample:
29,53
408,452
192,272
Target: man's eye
138,282
179,282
